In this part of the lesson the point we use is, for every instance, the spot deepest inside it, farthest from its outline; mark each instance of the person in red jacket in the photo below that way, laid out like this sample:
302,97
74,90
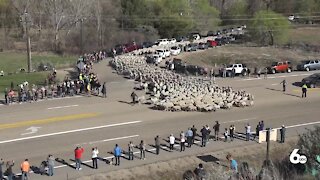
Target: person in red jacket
78,155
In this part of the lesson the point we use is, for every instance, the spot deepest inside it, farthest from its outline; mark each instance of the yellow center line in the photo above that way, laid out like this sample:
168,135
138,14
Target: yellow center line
308,90
48,120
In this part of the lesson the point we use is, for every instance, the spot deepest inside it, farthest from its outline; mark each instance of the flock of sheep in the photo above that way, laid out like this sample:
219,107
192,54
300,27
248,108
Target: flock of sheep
170,91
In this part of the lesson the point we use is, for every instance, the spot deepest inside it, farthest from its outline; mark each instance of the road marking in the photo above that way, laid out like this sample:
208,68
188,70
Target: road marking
60,107
304,124
48,120
68,132
32,129
107,140
309,90
238,120
274,84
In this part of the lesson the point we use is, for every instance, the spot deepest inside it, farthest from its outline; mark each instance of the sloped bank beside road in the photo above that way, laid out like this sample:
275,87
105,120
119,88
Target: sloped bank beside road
174,169
251,56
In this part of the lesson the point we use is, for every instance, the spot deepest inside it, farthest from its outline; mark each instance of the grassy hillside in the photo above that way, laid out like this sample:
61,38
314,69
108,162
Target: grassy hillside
11,62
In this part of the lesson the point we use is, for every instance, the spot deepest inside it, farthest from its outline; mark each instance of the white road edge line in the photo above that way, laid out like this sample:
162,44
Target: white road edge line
247,119
107,140
153,149
68,132
60,107
298,125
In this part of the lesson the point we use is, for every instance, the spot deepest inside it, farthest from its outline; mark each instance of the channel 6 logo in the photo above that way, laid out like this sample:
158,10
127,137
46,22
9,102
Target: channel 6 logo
296,158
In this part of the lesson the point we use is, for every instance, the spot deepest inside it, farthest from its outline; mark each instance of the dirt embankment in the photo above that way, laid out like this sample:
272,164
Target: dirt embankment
251,56
174,169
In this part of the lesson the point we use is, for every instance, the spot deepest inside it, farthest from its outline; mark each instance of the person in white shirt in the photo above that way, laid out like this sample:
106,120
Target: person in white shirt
248,132
171,141
182,141
95,153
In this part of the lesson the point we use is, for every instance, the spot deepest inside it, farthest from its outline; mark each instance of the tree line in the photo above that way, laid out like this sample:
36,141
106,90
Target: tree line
76,25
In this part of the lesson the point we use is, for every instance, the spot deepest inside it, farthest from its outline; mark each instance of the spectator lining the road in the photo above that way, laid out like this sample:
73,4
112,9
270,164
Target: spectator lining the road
78,155
94,157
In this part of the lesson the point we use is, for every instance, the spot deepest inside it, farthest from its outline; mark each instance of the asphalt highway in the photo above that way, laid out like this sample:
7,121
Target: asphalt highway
57,126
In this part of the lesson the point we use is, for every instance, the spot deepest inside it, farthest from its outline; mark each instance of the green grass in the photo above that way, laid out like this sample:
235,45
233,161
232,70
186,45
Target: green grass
11,62
37,78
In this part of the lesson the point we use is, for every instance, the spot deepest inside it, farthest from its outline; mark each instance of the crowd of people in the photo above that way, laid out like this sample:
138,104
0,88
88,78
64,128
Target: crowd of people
185,139
86,83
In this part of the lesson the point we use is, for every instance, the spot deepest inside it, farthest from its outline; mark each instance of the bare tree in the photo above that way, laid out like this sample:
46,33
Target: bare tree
65,14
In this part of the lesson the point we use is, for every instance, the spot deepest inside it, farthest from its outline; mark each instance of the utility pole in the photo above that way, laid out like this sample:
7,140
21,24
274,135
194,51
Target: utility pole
268,146
28,42
81,35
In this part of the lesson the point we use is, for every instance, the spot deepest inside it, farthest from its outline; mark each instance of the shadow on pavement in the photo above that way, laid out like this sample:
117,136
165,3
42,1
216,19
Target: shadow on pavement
62,161
82,163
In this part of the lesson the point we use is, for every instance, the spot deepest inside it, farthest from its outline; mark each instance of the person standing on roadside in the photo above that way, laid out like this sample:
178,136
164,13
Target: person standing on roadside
104,90
225,135
203,136
282,134
189,135
171,141
117,153
216,128
78,155
194,133
304,91
157,144
94,157
284,84
248,132
1,165
25,168
265,73
142,147
50,161
130,150
9,165
182,141
257,130
231,132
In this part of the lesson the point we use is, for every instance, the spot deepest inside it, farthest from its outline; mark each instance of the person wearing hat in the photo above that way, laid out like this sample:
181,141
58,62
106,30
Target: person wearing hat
282,133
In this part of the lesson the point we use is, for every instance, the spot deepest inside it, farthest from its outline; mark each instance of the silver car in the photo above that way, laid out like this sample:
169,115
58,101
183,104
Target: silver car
309,65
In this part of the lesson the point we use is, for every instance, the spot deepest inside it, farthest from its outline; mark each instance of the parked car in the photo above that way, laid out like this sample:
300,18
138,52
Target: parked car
172,40
280,67
130,47
203,46
154,59
175,50
196,36
308,65
194,46
119,49
212,43
210,33
147,44
312,81
239,69
161,53
161,42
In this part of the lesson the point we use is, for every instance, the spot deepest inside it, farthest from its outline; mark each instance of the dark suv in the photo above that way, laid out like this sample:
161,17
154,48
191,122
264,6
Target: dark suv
312,81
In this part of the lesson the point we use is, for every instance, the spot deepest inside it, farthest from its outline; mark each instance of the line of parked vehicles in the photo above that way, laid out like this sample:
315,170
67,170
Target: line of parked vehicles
193,42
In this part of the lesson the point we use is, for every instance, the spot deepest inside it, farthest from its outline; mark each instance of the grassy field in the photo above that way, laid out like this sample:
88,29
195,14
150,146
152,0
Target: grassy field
33,78
11,62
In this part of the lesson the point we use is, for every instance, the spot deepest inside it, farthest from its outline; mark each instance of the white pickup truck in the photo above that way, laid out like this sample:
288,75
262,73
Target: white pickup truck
239,69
